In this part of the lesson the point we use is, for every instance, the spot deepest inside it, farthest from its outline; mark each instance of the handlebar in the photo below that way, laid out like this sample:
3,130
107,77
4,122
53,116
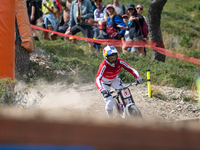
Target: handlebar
131,84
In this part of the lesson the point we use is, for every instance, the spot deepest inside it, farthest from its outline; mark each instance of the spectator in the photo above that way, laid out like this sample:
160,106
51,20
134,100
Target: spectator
99,15
57,9
126,35
93,6
40,20
49,21
80,11
33,13
135,21
139,9
62,23
112,30
120,9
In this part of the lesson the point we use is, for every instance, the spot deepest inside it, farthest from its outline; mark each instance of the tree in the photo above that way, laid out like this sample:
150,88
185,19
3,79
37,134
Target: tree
22,57
155,10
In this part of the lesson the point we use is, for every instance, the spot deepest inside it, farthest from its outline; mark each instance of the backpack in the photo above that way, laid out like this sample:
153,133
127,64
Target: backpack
144,29
112,30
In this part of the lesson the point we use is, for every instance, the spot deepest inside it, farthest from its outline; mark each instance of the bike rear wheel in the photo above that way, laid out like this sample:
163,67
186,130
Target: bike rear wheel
134,111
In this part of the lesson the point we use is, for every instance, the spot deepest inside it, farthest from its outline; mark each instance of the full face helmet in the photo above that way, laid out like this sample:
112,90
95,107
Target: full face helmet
110,55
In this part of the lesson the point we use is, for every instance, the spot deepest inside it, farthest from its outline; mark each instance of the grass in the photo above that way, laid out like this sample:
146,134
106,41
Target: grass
158,94
187,98
70,58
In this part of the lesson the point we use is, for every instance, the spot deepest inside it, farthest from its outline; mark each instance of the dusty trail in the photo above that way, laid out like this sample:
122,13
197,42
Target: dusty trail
86,99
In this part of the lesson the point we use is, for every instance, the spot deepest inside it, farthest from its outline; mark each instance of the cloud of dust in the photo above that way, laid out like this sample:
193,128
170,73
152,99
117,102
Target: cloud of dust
69,98
64,100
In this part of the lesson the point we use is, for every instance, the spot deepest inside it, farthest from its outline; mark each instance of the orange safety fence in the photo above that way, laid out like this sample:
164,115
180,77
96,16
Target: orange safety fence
118,43
7,38
177,55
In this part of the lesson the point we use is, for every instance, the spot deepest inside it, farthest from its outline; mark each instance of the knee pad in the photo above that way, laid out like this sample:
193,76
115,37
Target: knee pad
109,104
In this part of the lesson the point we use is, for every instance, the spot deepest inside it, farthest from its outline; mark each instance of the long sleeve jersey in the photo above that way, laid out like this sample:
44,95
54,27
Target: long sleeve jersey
107,73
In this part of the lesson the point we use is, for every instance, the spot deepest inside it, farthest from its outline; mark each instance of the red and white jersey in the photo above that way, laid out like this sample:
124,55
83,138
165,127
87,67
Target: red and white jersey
107,73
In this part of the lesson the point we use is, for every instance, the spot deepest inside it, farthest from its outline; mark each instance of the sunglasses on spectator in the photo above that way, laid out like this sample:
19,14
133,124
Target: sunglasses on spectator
130,9
139,8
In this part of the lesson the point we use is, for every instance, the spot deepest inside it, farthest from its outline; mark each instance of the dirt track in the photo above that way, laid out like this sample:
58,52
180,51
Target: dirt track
86,99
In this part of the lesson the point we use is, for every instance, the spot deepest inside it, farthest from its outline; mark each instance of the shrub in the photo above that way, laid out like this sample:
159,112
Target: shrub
187,98
7,94
185,41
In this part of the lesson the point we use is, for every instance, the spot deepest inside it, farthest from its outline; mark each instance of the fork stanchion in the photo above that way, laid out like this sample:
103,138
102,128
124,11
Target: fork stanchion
149,83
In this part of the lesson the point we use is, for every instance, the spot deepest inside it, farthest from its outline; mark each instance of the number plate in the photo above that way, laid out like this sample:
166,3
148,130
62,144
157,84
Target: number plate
125,93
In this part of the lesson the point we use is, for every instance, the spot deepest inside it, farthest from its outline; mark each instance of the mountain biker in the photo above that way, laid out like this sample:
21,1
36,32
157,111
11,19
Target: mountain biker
107,76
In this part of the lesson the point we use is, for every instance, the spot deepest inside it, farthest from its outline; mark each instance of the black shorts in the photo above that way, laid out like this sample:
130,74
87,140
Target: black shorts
48,24
86,30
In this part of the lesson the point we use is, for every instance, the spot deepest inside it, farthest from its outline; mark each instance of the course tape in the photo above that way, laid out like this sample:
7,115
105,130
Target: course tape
119,43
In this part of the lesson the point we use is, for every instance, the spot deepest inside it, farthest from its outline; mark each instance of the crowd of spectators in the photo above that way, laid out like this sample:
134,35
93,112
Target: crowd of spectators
91,18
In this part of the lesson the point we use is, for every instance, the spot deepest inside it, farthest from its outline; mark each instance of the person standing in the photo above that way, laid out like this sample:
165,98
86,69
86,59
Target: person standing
40,20
126,36
80,11
134,25
139,9
49,21
120,9
93,6
34,14
112,21
99,15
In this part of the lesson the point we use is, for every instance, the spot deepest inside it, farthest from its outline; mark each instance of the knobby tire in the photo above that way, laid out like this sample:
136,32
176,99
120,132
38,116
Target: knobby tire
116,106
134,111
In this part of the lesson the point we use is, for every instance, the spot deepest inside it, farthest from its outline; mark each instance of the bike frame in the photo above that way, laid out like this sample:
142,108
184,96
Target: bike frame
124,94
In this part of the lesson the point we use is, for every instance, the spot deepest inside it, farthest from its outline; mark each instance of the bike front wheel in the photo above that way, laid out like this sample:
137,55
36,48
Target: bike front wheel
134,111
117,106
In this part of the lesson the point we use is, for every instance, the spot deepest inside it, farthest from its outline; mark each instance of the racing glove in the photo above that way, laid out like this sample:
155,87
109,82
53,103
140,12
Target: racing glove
105,93
139,80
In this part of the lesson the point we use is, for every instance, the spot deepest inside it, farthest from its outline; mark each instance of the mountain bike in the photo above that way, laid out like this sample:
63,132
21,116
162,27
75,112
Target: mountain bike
124,102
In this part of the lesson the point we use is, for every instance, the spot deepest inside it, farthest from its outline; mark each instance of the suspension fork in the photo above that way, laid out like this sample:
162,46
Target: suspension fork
132,100
123,101
120,105
118,99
